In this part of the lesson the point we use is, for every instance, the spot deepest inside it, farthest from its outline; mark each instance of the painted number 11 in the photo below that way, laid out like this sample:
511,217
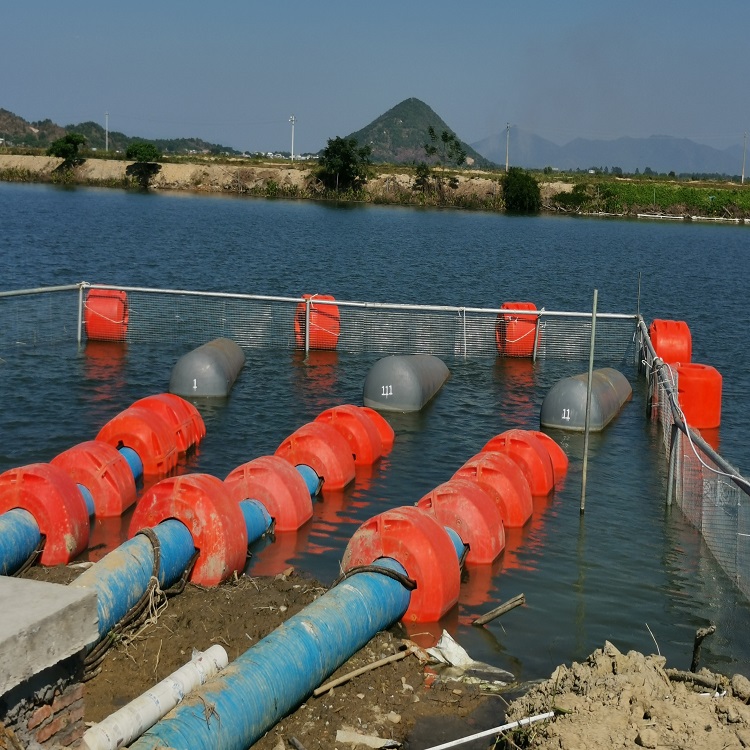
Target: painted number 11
566,415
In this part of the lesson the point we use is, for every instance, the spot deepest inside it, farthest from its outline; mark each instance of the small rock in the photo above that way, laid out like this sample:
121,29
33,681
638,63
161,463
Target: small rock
360,696
647,738
457,692
279,745
393,717
741,687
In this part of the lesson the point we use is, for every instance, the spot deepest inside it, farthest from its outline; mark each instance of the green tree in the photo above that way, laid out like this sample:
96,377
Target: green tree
344,165
144,155
143,152
446,147
67,147
521,192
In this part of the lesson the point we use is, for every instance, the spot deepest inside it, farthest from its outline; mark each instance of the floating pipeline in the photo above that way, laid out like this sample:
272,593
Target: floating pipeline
94,478
404,382
208,371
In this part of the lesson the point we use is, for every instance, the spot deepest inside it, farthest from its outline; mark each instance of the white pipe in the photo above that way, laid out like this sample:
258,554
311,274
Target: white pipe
496,730
132,720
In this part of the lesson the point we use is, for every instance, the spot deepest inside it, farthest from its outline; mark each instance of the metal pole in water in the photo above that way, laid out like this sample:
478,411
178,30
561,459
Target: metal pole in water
588,404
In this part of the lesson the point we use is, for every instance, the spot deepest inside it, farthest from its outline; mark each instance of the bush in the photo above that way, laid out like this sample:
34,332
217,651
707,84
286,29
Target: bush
521,192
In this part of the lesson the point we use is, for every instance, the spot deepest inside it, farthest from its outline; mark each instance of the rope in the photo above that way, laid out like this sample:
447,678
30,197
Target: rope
103,317
32,558
408,583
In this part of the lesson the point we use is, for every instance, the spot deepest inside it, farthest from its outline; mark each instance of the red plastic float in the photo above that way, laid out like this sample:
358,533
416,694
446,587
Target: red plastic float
556,453
324,323
387,435
357,429
515,332
699,393
472,513
500,476
180,415
422,546
530,454
322,448
106,315
277,485
672,340
214,519
104,472
147,434
57,505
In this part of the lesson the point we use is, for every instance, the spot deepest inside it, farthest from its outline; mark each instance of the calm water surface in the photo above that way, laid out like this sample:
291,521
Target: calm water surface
628,566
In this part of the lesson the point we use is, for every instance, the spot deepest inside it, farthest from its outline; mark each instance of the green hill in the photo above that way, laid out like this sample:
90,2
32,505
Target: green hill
399,136
18,132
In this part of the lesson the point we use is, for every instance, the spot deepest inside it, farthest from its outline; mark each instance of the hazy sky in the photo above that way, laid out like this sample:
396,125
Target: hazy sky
234,72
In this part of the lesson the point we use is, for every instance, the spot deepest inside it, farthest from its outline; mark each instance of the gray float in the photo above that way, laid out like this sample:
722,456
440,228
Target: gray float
210,370
404,382
564,406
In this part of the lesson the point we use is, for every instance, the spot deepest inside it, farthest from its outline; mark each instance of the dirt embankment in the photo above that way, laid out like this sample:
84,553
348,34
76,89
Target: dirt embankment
240,177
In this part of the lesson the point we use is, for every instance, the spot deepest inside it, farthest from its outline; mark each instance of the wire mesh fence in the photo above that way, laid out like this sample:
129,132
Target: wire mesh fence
712,494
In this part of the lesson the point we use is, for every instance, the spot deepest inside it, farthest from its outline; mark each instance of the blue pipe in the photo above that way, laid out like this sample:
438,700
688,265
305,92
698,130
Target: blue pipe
19,537
134,461
88,498
121,577
271,678
312,480
257,519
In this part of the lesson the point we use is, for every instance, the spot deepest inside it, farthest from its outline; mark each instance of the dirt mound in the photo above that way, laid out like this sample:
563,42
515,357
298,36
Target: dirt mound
630,700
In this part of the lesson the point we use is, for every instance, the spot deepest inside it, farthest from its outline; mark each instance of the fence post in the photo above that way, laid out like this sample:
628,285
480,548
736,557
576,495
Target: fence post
308,305
80,313
674,440
588,404
536,334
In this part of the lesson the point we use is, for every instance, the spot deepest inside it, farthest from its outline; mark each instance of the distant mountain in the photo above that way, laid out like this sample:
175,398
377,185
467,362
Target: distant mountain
660,153
399,136
18,132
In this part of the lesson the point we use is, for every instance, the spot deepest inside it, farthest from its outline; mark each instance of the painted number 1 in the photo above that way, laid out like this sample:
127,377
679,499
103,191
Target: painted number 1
387,390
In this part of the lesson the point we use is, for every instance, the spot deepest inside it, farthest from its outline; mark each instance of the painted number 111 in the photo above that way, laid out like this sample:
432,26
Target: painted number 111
387,390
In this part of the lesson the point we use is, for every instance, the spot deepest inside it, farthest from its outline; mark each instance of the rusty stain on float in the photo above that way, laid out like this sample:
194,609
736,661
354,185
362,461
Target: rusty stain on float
516,332
106,315
325,324
699,393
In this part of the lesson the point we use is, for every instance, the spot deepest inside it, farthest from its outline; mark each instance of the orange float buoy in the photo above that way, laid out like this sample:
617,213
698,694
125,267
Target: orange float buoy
180,415
528,452
472,513
672,340
422,546
387,435
500,476
556,453
699,393
277,485
214,519
106,315
56,503
325,324
147,434
322,448
357,429
104,472
515,332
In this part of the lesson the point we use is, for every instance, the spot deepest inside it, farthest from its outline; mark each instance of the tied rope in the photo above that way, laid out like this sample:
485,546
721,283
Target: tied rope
143,613
32,558
408,583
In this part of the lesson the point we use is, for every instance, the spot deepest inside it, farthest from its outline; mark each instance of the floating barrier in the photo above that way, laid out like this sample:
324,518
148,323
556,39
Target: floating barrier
208,371
106,315
515,333
556,453
672,340
19,537
531,455
184,418
503,479
404,382
324,449
325,324
387,435
564,406
699,393
472,513
359,431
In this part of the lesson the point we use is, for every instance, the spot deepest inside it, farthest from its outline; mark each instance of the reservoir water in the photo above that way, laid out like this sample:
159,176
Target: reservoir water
630,570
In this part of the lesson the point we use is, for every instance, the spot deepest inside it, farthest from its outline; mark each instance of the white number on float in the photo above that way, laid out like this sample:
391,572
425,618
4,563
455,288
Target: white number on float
387,390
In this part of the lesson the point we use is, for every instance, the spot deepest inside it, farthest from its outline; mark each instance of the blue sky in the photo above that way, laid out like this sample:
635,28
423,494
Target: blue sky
234,72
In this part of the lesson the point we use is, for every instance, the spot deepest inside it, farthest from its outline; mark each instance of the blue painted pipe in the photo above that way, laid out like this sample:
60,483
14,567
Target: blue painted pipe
280,671
312,480
88,498
19,537
134,461
257,519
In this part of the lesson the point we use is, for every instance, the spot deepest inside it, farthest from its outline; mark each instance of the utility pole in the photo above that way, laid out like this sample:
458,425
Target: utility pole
744,151
292,119
507,144
106,131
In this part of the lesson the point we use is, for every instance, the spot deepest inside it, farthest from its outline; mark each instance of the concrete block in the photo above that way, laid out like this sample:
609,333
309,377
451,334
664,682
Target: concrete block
40,625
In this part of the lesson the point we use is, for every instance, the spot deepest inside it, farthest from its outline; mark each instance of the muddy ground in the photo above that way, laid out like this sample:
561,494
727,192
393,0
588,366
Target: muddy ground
612,700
